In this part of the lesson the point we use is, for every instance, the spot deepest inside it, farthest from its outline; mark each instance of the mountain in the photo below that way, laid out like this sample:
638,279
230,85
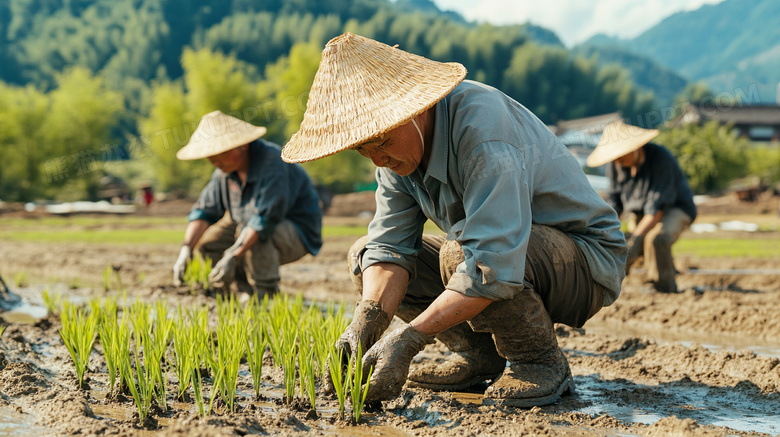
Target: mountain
645,72
733,46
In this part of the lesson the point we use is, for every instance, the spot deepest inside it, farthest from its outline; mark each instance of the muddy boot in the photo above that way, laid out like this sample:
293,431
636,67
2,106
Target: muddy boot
474,358
538,372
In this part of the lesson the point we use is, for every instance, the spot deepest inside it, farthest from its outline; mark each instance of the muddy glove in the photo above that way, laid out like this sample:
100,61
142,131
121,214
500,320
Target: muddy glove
635,246
224,272
368,324
181,265
390,359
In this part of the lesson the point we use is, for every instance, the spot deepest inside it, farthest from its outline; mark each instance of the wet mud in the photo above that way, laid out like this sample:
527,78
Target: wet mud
705,362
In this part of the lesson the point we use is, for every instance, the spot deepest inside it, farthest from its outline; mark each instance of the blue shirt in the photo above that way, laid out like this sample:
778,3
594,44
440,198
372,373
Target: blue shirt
274,191
659,184
494,170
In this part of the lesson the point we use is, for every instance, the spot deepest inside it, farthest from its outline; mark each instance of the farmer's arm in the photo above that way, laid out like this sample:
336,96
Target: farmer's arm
496,183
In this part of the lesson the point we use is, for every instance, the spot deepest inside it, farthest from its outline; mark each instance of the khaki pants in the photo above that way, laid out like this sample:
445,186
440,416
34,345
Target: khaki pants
261,262
657,250
555,269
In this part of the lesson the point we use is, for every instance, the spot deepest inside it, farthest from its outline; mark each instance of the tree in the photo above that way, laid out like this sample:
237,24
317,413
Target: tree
710,155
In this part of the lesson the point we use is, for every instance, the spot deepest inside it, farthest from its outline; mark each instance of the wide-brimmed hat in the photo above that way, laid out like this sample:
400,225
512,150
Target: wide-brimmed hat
362,89
617,140
218,132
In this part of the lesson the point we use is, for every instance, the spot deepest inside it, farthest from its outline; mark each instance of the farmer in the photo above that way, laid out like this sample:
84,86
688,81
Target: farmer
646,181
255,214
528,242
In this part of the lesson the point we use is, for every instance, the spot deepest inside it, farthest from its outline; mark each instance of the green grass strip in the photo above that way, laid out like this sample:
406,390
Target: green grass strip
727,247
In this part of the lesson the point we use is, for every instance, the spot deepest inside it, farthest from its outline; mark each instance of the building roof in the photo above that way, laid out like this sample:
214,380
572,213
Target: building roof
764,115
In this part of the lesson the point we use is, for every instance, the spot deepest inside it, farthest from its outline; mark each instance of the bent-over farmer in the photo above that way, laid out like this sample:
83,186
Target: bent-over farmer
256,213
646,181
528,242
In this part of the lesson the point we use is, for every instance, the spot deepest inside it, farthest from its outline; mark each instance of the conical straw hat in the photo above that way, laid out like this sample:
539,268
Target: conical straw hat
218,132
362,89
617,140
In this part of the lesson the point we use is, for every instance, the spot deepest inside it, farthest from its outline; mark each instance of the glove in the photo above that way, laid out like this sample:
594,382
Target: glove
635,246
224,272
368,324
390,359
181,265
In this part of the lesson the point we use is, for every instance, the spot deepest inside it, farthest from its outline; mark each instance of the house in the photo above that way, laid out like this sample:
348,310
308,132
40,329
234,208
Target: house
755,122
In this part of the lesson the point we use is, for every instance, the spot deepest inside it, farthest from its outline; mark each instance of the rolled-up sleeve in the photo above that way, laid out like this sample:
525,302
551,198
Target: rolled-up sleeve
395,233
497,228
210,205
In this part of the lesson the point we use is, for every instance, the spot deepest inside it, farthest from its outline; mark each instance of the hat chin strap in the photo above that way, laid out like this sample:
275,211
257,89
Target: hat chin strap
419,133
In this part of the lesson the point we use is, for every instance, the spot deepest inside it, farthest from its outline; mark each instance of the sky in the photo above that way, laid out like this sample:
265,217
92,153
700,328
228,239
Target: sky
574,21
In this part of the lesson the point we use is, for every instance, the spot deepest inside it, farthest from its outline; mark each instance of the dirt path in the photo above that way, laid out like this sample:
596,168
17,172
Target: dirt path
704,362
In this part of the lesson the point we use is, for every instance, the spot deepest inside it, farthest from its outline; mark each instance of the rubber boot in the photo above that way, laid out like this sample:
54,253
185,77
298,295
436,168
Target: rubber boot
474,358
538,372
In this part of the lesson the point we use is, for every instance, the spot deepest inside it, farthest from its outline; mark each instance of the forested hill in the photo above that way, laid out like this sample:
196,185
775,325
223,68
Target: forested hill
733,44
86,81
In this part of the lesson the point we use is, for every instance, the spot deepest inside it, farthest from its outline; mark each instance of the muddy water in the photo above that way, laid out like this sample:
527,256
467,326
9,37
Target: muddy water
712,342
17,424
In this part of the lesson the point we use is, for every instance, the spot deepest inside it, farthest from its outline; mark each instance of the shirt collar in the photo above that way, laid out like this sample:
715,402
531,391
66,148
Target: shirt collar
437,166
255,155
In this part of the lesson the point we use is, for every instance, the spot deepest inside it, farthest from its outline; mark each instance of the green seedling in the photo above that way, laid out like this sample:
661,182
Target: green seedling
78,332
289,349
308,379
185,339
358,390
337,376
109,330
52,301
21,279
231,337
197,272
255,347
107,278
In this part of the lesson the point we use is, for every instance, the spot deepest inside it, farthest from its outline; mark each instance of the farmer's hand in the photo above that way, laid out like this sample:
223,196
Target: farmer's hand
635,246
390,359
181,265
369,321
224,272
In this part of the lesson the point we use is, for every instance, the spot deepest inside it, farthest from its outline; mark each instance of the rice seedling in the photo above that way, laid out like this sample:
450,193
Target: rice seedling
255,347
289,351
21,279
109,329
78,332
197,272
358,390
107,278
185,344
2,329
335,366
51,301
159,344
308,380
231,337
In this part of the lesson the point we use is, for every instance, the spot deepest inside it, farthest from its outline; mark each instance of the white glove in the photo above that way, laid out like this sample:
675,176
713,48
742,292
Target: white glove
224,272
181,265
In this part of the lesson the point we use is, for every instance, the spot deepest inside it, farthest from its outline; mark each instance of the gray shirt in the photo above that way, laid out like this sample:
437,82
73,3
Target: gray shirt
659,184
494,170
274,191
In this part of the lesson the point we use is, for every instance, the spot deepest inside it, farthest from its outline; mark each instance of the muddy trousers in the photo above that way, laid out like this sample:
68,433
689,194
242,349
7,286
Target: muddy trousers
657,249
261,262
558,288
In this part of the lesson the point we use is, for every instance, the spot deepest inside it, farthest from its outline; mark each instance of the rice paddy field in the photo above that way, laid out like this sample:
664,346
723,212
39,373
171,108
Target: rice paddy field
103,344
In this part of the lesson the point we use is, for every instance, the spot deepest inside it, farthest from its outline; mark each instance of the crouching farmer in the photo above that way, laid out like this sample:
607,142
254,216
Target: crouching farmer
256,213
528,242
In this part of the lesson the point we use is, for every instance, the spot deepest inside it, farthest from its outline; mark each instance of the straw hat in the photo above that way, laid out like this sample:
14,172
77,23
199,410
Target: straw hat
218,132
362,89
617,140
